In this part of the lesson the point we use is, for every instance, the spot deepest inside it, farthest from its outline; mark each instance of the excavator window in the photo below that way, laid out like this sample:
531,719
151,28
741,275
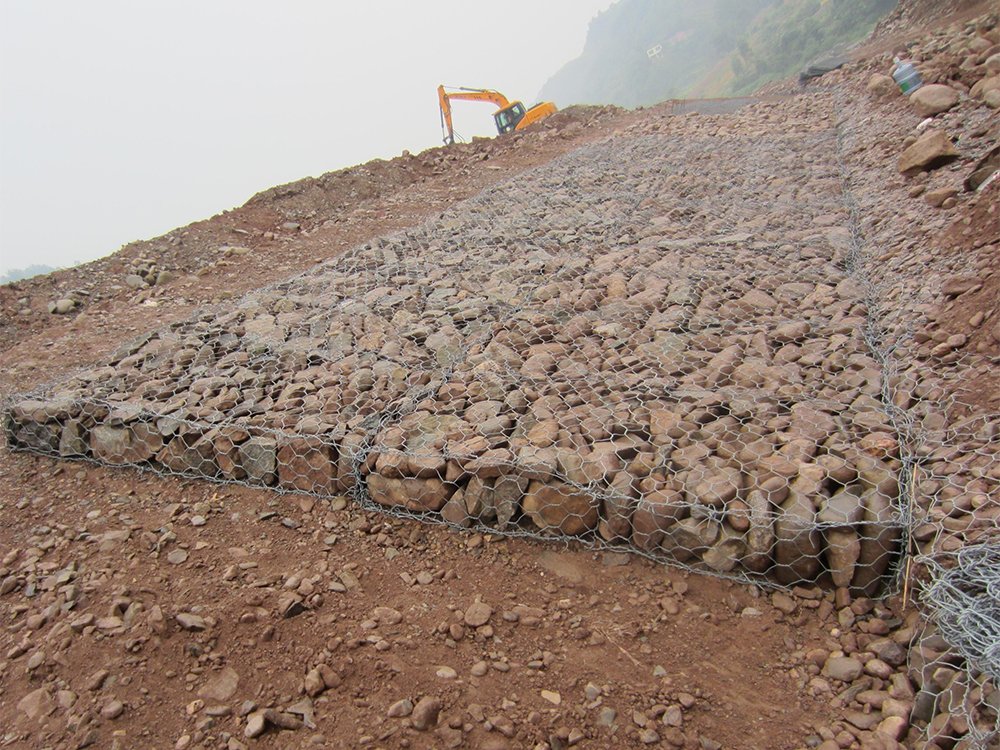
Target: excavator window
507,119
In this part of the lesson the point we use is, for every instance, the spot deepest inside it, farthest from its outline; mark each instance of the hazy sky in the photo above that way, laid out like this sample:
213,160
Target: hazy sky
122,119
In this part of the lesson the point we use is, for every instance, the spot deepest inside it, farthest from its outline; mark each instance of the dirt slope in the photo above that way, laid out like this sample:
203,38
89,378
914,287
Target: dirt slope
146,611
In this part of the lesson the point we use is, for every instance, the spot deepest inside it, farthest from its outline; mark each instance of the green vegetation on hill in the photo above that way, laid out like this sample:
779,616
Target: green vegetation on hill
641,52
786,36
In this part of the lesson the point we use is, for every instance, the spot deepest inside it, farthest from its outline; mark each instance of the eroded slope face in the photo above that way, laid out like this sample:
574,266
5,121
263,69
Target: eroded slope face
653,342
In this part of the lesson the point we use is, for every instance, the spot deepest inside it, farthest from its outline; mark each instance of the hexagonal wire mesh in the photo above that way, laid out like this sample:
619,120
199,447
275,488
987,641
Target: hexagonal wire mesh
634,346
949,444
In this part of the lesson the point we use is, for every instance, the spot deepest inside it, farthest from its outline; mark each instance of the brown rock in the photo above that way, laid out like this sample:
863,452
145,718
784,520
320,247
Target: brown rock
112,709
400,709
760,537
191,622
654,513
221,687
882,85
308,464
797,547
985,85
414,494
932,150
555,506
124,445
425,713
478,614
934,98
313,683
843,668
37,704
936,198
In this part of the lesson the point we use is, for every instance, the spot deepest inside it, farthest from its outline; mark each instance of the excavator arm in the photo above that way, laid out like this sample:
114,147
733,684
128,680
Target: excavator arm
469,95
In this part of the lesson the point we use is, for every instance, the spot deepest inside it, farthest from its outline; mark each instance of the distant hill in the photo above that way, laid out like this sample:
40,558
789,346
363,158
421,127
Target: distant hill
641,52
17,274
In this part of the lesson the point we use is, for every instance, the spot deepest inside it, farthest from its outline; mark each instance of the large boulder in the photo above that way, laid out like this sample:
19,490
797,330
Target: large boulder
882,85
932,150
562,508
410,493
934,99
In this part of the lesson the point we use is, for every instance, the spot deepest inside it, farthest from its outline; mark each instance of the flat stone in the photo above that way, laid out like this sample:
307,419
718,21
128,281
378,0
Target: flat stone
191,622
478,614
932,150
221,686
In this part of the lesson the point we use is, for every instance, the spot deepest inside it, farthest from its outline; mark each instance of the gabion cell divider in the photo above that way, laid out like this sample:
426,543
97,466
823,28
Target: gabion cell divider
959,592
874,338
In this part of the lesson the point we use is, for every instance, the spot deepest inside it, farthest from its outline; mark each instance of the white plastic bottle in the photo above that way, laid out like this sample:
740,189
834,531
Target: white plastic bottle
906,76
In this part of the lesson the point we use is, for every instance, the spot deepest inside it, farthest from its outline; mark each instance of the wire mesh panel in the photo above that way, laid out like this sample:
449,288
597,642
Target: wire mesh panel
937,393
634,346
708,350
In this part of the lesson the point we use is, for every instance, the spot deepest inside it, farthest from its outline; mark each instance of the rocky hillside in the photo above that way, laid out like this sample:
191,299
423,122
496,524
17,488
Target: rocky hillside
757,338
640,52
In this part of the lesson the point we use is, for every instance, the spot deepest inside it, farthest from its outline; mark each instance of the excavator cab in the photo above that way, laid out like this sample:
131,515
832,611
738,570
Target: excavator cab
508,117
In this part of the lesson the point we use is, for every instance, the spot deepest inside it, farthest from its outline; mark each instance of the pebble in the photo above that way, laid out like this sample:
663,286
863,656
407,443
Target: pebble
113,709
479,669
191,622
673,716
400,709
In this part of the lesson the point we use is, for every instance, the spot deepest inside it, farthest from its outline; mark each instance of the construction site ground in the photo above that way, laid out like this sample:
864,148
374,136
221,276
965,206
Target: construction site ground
427,637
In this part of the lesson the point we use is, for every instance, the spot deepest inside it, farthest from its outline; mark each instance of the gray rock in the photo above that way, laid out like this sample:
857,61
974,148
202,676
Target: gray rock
62,306
843,668
425,713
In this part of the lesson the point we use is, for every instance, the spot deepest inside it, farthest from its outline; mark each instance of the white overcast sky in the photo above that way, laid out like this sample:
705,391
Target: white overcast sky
122,119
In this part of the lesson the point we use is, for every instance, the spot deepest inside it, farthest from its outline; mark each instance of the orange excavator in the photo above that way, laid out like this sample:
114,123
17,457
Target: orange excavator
509,116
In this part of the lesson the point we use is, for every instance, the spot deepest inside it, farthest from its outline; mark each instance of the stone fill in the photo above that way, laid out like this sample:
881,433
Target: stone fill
650,342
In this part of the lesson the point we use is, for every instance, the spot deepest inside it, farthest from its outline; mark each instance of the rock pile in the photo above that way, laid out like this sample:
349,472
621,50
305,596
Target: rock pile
633,345
934,245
